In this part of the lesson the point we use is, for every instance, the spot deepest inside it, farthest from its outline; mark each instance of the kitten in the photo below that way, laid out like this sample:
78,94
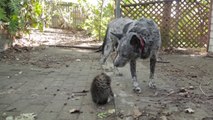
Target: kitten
101,90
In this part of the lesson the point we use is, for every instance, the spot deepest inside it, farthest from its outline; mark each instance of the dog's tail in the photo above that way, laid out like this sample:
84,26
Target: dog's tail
101,48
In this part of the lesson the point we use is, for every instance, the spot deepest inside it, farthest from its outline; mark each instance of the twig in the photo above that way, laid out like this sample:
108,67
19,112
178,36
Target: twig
159,61
75,46
83,91
202,90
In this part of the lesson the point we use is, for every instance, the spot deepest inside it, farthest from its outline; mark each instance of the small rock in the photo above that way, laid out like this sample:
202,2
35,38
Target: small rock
185,94
182,89
8,77
54,94
156,93
65,104
117,83
20,72
73,95
45,88
198,105
78,60
4,114
191,87
119,74
58,89
67,65
189,110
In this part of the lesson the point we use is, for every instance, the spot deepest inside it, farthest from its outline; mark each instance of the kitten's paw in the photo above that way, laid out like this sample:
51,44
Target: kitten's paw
152,85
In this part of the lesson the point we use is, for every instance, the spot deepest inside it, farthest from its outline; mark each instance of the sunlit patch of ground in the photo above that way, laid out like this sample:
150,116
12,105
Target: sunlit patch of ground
52,36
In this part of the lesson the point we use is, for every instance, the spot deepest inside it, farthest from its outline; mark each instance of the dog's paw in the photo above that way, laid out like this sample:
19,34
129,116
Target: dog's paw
152,85
137,90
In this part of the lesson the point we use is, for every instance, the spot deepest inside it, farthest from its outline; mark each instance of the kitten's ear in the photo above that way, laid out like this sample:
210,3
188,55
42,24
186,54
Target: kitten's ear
119,36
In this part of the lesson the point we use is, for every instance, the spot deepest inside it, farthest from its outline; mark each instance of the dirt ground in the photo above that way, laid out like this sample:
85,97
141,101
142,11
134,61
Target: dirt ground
185,91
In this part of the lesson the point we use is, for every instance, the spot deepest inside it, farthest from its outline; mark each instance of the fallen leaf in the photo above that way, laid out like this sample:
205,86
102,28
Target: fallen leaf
189,110
191,87
26,116
9,118
72,111
171,92
102,115
111,111
136,112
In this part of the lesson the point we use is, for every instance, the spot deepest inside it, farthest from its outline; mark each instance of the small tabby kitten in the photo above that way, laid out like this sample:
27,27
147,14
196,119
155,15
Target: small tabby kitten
101,90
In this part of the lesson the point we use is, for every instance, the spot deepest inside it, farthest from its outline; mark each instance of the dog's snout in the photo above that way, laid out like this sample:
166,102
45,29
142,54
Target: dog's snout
116,64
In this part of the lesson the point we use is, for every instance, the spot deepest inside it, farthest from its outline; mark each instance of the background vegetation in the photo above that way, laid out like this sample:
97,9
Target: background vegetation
19,16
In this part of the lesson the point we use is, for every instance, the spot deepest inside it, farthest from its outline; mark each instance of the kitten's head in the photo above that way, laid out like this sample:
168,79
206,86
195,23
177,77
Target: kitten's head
105,78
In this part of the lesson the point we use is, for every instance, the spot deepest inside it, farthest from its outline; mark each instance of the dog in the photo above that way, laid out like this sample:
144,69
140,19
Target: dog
132,39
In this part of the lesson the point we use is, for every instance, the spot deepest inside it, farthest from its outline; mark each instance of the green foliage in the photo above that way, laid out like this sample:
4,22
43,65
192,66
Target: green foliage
98,17
2,14
20,15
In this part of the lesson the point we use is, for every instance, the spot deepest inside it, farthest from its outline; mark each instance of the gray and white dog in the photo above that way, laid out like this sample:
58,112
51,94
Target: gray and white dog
132,39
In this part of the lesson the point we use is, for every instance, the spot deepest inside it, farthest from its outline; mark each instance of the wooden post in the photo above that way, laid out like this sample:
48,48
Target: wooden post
165,28
210,42
118,9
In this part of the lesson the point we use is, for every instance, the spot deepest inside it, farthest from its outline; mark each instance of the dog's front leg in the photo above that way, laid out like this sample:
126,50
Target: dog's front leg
136,87
153,60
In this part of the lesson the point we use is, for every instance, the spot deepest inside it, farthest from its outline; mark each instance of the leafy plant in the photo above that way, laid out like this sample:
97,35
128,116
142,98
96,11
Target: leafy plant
19,15
98,17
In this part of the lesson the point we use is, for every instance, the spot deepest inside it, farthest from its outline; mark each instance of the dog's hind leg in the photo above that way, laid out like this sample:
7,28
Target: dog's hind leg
153,59
136,87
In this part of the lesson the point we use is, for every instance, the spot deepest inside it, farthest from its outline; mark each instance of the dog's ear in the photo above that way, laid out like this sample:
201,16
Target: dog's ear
119,36
135,40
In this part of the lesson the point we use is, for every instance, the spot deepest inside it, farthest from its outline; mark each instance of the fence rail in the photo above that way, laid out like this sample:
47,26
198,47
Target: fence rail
183,23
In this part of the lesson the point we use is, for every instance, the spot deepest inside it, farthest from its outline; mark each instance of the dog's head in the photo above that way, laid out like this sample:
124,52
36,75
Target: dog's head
130,47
